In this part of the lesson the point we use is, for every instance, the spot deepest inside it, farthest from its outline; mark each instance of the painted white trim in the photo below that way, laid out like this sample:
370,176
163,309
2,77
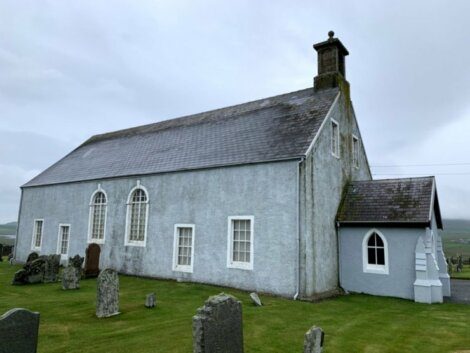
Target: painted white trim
239,264
59,241
33,239
333,121
183,268
90,217
355,152
142,243
431,206
323,124
377,269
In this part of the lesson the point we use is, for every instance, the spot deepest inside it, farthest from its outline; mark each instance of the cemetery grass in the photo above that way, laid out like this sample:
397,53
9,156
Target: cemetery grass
465,274
353,323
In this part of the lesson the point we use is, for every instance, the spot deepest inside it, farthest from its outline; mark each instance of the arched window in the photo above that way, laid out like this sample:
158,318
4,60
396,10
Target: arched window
137,212
97,217
375,252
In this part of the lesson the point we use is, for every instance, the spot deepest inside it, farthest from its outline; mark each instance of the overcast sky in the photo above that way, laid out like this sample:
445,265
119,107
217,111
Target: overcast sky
71,69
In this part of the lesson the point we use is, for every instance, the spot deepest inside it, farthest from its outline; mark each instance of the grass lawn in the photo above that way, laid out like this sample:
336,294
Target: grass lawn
465,274
354,323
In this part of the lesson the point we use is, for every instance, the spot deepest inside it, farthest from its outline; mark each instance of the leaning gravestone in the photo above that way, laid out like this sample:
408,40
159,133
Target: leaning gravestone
255,299
51,268
32,272
217,326
92,261
107,294
19,331
70,278
32,256
313,342
150,300
77,262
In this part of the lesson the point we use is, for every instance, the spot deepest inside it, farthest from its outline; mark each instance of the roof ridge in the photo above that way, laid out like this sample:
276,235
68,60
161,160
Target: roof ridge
201,115
393,179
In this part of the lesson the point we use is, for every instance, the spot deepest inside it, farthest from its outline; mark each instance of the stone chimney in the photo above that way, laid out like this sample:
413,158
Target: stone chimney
331,63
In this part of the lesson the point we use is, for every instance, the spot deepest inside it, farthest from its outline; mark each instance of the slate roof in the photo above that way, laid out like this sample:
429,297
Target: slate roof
393,201
276,128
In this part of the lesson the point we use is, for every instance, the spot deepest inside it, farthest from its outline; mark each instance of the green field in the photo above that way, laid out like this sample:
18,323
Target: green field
465,274
353,323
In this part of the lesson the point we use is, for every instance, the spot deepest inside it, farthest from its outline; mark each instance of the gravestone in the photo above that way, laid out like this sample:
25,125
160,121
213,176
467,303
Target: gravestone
313,342
32,272
32,256
217,326
19,331
51,268
255,299
150,300
70,278
1,252
107,294
77,262
92,261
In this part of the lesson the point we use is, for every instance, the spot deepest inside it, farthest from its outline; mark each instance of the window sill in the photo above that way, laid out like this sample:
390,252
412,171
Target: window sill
138,244
241,265
379,270
335,155
186,269
96,241
36,249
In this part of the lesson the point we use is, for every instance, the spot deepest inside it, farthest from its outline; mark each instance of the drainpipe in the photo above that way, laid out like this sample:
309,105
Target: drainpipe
297,292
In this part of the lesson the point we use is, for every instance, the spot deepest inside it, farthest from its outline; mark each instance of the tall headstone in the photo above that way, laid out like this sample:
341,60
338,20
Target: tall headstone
107,294
70,278
77,263
1,252
313,342
217,326
19,331
92,261
32,256
51,268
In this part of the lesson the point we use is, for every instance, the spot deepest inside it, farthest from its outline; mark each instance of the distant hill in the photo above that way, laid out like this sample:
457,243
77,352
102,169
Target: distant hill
456,237
8,228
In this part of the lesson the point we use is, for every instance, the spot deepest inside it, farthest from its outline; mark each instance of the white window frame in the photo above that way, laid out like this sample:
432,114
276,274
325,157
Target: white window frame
176,266
337,155
33,240
59,241
239,264
355,151
90,217
369,268
127,241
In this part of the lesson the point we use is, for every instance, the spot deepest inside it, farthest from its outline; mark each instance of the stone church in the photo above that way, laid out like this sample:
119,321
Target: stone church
273,195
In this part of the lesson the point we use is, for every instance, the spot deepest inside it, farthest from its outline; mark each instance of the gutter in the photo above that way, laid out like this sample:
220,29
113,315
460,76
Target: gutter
297,292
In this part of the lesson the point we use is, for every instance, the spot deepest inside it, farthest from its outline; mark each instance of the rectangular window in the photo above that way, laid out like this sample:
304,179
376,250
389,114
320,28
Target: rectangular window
183,248
64,238
334,138
240,239
37,234
355,151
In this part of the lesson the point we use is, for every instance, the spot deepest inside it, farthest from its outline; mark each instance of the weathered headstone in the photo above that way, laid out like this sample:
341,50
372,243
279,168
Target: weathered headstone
92,261
313,342
32,256
70,278
255,299
32,272
51,268
107,294
217,326
459,267
1,252
77,263
150,300
19,331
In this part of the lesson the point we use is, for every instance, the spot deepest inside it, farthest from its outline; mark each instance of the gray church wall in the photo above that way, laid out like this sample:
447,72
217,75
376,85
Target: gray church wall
401,257
324,177
205,198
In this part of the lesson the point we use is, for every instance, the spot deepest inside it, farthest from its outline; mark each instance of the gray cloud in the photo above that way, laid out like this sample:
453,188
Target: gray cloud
69,70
